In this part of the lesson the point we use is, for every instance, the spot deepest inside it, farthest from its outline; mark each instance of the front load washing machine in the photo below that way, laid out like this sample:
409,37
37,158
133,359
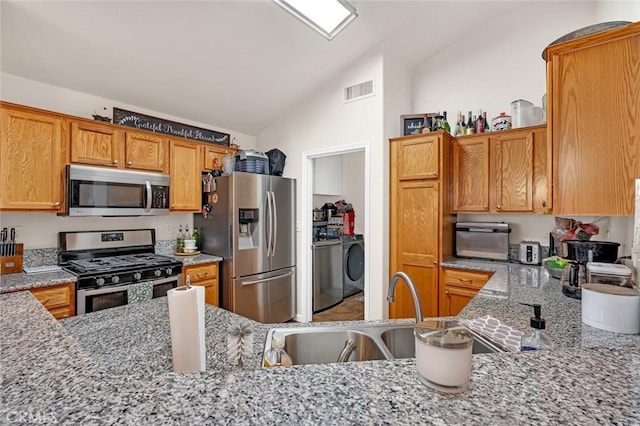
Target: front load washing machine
353,264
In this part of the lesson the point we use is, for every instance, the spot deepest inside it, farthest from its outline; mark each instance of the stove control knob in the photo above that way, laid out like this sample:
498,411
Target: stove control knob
115,279
157,272
169,271
99,282
137,276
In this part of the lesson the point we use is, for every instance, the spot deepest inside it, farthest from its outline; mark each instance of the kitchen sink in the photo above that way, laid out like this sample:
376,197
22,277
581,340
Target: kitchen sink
322,345
401,343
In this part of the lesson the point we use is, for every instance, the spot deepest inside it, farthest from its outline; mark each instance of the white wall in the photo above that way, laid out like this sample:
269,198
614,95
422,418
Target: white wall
39,230
508,67
324,122
497,62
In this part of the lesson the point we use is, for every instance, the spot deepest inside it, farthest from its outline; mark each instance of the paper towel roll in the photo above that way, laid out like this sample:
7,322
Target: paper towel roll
186,319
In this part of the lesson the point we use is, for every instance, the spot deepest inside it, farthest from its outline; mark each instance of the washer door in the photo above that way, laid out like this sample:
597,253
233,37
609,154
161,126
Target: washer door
354,265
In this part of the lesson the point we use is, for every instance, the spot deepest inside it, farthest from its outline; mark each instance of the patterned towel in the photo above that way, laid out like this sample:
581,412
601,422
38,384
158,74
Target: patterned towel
494,330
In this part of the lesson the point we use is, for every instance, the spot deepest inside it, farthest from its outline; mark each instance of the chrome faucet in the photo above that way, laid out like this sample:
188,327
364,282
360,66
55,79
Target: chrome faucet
412,288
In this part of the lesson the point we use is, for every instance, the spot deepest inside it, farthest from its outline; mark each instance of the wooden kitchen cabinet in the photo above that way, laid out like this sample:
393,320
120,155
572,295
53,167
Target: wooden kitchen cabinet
144,151
107,145
205,275
502,172
593,86
58,299
186,178
458,287
420,221
32,154
212,154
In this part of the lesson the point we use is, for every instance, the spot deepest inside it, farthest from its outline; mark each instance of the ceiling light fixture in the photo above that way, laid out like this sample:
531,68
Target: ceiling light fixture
328,17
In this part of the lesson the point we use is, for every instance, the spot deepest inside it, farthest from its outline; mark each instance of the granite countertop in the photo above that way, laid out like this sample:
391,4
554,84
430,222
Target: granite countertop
113,366
21,281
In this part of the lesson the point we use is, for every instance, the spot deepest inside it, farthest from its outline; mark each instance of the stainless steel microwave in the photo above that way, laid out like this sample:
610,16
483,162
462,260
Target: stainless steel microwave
97,191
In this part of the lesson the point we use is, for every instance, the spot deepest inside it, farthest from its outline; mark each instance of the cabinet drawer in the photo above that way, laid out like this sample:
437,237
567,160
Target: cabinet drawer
464,278
55,297
200,272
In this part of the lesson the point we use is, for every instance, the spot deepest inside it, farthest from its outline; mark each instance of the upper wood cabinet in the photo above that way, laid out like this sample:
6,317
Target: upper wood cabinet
186,178
502,172
31,160
418,157
107,145
145,151
212,156
420,221
95,143
594,122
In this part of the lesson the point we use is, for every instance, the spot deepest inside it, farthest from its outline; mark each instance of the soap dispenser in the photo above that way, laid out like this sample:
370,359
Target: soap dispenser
535,339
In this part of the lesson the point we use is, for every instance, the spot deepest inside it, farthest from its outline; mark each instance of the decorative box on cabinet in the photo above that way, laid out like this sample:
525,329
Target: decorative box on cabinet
420,221
458,287
205,275
32,151
593,86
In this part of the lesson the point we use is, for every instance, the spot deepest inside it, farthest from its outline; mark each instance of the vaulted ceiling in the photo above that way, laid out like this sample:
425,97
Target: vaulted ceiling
234,64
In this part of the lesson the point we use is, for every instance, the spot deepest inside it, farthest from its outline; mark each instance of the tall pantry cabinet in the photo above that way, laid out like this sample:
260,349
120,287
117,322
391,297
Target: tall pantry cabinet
421,224
594,122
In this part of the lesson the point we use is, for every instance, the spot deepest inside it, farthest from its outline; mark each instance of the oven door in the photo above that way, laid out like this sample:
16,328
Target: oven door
93,300
95,191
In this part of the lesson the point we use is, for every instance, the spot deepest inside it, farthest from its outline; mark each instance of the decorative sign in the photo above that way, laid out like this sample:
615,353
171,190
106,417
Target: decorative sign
168,127
412,123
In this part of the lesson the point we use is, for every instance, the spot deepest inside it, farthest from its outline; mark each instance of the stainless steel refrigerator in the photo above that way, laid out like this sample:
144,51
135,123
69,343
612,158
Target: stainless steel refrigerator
252,226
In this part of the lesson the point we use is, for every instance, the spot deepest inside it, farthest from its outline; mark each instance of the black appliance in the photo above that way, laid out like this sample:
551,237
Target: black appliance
109,263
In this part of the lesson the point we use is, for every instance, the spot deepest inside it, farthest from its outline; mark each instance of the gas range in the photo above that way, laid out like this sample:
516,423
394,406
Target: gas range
110,258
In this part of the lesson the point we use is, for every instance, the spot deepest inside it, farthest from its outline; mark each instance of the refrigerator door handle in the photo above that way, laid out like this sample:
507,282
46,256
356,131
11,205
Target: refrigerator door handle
275,224
269,230
264,280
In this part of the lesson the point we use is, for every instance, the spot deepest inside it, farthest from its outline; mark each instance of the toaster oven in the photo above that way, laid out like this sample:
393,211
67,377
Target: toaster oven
483,240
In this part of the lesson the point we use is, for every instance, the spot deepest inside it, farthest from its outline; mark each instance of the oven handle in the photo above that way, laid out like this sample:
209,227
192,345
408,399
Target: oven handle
147,207
115,289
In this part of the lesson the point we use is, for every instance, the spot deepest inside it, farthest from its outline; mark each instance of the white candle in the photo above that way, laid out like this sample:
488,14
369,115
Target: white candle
443,366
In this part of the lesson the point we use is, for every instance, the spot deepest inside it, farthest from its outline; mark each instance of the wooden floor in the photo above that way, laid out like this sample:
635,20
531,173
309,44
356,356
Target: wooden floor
351,309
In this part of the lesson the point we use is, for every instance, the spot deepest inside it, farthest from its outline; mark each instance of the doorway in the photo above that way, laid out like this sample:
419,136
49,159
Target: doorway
362,151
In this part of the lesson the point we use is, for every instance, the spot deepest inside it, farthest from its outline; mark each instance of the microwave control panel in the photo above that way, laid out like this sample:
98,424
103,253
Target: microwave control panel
159,197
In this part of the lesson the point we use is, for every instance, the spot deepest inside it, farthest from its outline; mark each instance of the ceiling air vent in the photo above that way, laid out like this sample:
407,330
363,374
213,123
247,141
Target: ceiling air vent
358,91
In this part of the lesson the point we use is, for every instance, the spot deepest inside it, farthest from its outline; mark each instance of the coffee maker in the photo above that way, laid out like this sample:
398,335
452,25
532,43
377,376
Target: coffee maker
581,253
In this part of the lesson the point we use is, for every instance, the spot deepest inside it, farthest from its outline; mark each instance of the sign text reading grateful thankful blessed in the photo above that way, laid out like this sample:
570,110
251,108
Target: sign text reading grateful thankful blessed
168,127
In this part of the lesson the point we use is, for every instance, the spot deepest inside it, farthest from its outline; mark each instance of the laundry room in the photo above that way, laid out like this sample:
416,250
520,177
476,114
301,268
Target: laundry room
338,241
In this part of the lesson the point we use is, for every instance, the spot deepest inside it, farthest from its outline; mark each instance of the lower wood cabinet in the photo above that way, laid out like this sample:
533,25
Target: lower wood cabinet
205,275
59,299
458,287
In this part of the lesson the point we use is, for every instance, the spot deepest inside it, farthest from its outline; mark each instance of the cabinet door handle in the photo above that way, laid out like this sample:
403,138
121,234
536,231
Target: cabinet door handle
465,280
435,263
544,203
129,163
56,204
202,274
446,292
173,206
485,207
498,207
115,161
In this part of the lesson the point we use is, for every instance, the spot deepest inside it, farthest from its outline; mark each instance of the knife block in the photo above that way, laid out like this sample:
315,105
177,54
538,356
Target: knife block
12,264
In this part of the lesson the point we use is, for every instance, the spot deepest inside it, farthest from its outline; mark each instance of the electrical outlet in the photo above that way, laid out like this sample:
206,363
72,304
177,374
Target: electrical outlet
168,229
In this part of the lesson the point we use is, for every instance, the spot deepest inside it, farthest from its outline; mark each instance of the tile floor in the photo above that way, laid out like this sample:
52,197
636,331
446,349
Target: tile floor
351,309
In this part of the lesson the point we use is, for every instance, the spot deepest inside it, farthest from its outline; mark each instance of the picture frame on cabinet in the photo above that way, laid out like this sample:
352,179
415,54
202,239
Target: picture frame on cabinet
412,124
